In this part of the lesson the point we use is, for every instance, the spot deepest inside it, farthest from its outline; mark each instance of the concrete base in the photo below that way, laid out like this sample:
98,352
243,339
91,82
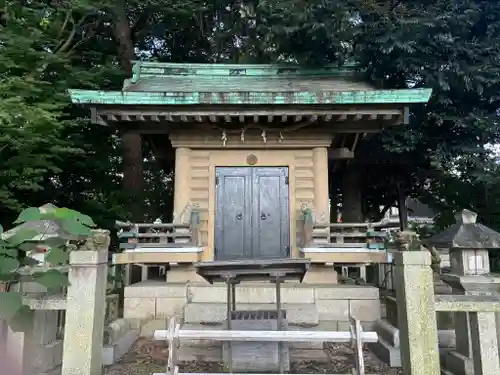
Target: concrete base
321,274
183,273
307,304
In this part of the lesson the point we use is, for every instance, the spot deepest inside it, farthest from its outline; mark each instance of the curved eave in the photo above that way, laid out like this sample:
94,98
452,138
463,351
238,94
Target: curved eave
405,96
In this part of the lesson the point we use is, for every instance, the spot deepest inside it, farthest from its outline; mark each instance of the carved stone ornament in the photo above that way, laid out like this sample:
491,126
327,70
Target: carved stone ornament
251,159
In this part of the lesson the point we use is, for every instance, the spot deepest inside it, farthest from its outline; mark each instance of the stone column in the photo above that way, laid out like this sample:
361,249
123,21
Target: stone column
484,343
321,199
416,314
86,307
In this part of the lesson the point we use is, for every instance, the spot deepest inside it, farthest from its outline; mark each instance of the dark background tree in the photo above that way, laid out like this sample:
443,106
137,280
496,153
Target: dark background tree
49,151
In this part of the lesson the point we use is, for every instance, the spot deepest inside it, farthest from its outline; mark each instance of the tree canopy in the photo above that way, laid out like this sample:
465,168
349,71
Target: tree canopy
50,151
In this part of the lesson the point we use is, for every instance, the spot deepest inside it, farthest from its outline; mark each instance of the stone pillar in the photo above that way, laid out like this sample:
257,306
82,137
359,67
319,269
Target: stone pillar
86,307
133,178
416,314
484,343
351,196
36,350
321,199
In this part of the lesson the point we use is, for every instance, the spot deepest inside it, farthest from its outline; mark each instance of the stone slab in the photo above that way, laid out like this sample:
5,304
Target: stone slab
210,313
155,289
386,353
148,329
169,306
456,363
340,292
387,332
365,310
112,353
333,310
139,308
252,293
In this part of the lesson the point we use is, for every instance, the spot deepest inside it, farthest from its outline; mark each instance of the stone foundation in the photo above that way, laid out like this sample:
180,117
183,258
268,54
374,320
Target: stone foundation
202,303
321,274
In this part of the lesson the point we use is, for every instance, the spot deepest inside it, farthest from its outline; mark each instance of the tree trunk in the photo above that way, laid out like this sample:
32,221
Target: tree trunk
133,178
123,36
351,196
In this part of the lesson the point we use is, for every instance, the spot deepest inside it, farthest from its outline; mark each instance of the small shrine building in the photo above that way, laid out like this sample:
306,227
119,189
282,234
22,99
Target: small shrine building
251,146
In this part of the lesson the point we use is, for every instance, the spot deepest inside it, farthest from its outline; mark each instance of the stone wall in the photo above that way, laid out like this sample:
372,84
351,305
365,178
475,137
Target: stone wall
151,303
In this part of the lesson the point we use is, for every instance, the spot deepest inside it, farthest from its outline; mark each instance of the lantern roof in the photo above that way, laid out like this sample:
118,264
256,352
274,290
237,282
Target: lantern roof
466,233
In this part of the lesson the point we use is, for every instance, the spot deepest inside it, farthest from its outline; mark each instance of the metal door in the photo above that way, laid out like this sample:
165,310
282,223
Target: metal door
252,213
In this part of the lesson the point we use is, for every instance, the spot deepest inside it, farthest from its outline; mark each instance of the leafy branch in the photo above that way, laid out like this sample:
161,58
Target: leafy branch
49,232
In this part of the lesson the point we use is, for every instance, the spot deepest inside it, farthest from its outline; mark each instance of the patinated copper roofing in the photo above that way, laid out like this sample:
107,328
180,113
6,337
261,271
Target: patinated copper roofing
195,84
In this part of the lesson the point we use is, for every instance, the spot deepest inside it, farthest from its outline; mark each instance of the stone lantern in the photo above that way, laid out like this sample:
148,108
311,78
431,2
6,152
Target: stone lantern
469,243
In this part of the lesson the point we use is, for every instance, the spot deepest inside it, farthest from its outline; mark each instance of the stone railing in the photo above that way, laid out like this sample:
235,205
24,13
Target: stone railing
417,306
160,235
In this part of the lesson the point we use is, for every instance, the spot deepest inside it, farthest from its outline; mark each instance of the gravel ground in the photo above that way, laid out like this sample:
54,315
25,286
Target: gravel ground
147,357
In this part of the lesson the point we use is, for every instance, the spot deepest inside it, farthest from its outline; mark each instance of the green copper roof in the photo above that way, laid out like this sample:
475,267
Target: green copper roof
182,98
188,84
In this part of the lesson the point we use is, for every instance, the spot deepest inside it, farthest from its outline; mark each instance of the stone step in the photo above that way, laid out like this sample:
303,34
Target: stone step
214,313
387,332
386,353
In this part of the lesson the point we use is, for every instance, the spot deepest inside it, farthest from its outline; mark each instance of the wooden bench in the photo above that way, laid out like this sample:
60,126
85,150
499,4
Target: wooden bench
356,336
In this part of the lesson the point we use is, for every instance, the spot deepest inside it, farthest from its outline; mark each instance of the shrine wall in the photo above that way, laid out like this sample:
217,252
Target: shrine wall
208,151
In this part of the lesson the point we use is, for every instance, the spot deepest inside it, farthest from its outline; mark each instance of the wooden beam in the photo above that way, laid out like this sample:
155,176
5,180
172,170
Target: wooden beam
345,257
274,112
157,258
266,336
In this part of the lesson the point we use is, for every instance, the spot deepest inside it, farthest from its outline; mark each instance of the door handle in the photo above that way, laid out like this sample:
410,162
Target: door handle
263,216
239,216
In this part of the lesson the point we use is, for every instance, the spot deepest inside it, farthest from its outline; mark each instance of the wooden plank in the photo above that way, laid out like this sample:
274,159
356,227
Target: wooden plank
164,235
347,257
157,257
247,112
122,224
266,336
357,332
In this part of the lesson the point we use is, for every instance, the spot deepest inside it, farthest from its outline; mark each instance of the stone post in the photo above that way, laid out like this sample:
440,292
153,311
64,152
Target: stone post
86,307
416,314
484,343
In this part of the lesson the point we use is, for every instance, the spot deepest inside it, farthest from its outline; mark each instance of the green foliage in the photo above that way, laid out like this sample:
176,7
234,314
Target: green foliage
58,230
51,152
